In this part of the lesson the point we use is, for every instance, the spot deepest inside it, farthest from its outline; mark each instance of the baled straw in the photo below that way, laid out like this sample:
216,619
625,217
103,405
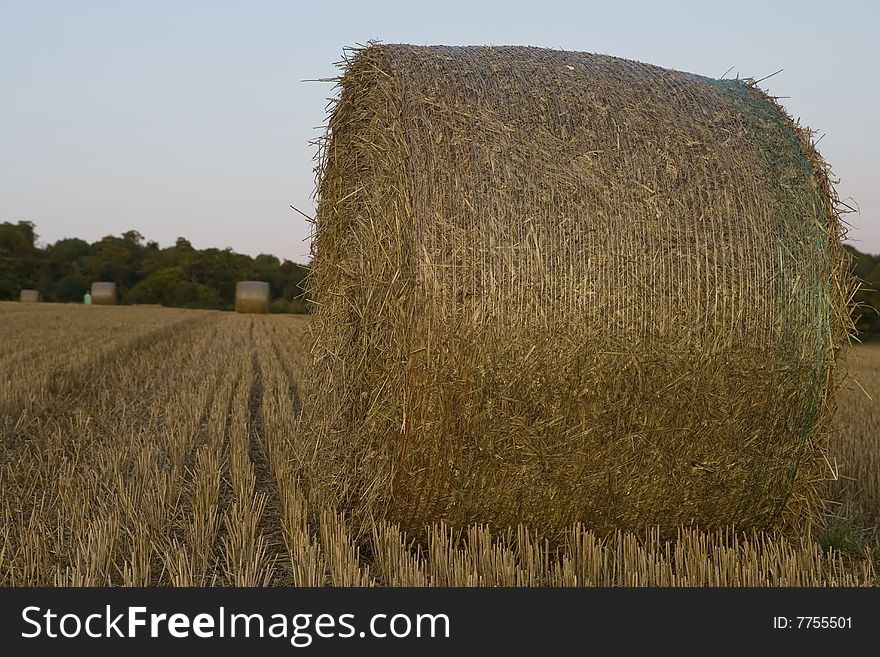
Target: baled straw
104,293
251,297
556,286
29,296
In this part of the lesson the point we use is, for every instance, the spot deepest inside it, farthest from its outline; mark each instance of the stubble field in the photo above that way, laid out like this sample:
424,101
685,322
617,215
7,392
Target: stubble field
152,446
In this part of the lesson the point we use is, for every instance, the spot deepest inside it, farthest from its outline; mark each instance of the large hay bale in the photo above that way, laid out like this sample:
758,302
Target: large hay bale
104,293
29,296
251,297
556,286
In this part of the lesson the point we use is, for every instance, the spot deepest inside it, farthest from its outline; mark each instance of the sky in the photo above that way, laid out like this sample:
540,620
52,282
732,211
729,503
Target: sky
193,119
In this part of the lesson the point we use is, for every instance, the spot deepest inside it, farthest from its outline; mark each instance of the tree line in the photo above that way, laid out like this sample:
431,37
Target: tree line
866,267
180,275
186,277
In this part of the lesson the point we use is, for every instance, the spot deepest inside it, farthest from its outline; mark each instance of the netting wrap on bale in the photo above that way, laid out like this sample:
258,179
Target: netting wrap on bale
251,297
104,293
29,296
556,286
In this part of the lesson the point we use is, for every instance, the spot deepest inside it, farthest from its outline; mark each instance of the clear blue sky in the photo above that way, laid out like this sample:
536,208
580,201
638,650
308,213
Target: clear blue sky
190,118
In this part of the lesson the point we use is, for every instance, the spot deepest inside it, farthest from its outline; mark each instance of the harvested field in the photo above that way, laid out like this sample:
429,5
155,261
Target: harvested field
855,448
165,447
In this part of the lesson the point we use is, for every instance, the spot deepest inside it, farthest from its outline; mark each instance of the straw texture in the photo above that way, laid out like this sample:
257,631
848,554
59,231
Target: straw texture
104,293
251,297
29,296
555,287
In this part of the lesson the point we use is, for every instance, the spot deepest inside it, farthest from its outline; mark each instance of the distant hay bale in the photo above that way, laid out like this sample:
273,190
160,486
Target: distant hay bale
555,286
104,293
29,296
251,297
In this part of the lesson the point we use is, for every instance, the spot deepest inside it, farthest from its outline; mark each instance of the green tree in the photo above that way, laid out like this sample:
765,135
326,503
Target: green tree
867,312
65,270
117,259
20,259
170,287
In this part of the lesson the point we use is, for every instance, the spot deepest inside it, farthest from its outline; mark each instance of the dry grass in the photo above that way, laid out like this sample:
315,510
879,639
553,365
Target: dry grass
49,351
169,451
855,449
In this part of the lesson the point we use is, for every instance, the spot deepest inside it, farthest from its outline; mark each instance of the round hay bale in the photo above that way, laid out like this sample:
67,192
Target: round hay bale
104,293
29,296
251,297
555,287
